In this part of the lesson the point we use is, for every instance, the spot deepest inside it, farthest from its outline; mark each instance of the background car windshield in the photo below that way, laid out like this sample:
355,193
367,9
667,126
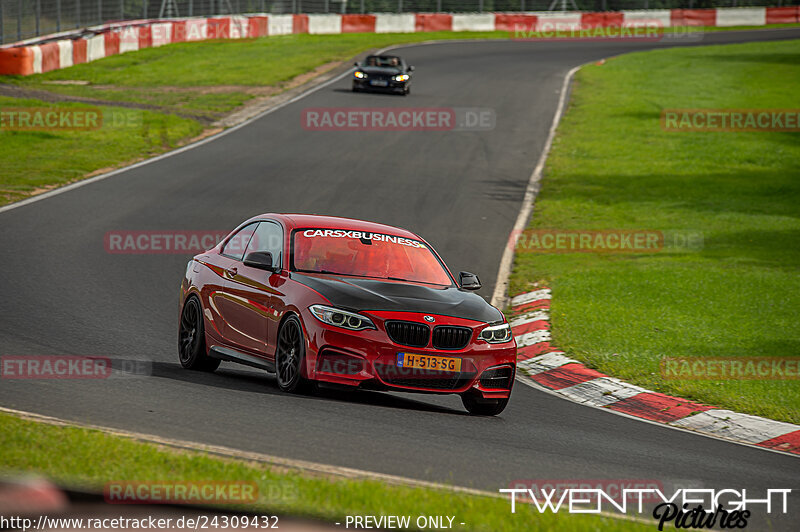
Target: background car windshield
379,61
364,254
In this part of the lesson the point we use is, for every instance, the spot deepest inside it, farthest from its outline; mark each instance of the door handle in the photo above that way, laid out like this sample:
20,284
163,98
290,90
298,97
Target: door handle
232,271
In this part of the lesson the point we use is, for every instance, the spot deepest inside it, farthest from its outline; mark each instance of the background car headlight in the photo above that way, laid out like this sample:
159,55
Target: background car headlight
359,74
401,77
496,334
341,318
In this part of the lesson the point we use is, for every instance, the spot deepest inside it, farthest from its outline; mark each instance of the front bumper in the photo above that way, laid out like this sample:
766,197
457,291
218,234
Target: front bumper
368,360
392,85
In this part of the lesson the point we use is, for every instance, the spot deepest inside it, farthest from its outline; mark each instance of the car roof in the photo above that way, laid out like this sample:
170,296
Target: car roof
293,221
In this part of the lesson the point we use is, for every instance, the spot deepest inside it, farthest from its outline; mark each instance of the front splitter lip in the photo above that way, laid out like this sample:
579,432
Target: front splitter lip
371,379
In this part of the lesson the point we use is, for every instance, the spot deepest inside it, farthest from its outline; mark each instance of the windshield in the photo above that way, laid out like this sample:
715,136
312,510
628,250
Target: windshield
382,61
364,254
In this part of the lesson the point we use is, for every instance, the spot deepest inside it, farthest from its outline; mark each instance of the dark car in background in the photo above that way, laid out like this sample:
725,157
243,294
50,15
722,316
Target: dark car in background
383,73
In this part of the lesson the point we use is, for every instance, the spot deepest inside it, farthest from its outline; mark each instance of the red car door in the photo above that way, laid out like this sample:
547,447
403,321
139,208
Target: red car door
250,295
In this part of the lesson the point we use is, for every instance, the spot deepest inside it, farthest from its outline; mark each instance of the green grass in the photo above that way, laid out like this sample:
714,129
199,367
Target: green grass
31,160
190,83
613,167
88,459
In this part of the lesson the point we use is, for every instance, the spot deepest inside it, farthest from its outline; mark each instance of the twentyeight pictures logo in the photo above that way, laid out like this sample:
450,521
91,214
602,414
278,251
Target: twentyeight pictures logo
398,119
684,508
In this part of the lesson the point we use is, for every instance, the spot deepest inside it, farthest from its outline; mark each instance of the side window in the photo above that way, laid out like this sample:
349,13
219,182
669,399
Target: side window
268,237
234,248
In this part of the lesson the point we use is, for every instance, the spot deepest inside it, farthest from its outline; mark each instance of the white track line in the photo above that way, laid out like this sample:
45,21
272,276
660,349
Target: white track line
501,285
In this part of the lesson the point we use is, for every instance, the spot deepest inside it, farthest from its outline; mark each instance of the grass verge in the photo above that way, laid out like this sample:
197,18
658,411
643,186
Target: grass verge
171,94
613,167
87,459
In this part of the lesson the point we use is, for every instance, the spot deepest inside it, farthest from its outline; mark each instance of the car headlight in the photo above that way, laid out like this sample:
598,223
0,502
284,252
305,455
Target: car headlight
359,74
401,77
497,334
341,318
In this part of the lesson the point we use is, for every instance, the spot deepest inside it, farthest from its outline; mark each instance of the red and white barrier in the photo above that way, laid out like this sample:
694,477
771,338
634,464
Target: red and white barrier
392,23
549,367
473,22
65,50
324,24
280,24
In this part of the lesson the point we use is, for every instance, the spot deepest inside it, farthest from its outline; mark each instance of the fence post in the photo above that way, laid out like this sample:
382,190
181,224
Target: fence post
99,11
121,9
2,23
438,6
19,20
522,5
38,16
144,9
399,6
480,6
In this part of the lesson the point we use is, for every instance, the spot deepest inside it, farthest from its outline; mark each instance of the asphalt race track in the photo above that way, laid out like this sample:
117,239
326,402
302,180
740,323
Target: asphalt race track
63,294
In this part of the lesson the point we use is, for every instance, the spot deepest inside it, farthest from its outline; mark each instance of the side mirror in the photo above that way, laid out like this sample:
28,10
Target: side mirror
261,260
469,281
410,68
356,64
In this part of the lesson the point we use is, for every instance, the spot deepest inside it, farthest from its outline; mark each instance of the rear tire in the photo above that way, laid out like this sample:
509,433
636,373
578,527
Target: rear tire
483,407
192,338
290,357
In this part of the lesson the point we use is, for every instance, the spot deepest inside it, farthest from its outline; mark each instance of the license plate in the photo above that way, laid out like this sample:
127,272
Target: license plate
411,360
379,83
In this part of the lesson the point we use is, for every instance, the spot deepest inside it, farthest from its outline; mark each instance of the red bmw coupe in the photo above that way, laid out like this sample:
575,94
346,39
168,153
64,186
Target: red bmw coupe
346,302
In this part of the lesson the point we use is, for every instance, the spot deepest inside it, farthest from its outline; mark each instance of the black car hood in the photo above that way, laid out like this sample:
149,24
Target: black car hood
355,293
389,71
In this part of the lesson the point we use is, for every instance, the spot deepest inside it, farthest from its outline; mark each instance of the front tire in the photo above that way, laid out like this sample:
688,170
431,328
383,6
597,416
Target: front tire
290,357
483,407
192,338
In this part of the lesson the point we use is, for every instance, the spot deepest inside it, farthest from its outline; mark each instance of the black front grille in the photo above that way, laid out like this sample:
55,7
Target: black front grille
448,337
497,378
417,378
408,333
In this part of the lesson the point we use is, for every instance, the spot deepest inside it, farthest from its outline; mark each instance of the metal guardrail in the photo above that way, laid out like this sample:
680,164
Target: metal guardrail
25,19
